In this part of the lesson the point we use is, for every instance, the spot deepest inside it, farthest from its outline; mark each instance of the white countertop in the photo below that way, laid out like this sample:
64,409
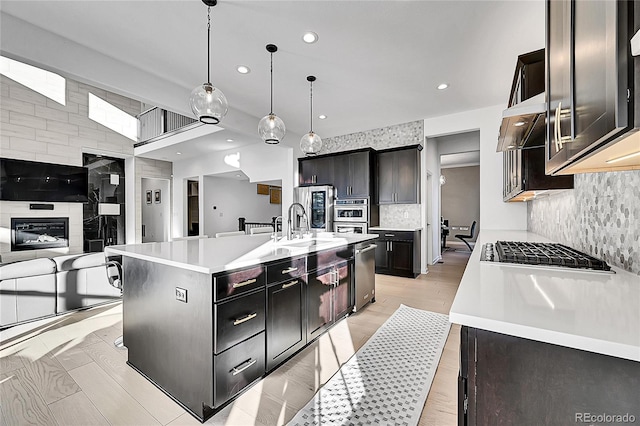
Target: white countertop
595,312
212,255
391,228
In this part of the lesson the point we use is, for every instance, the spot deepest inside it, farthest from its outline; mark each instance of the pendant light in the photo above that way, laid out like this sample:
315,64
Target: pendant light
311,144
208,103
271,128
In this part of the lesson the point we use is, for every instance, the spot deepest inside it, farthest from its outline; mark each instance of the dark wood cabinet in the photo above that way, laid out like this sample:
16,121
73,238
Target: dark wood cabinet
398,175
590,78
351,172
286,320
398,253
508,380
315,171
328,297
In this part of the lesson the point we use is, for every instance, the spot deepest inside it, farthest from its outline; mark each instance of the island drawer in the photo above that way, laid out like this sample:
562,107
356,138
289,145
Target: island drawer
237,320
238,367
238,282
287,269
329,257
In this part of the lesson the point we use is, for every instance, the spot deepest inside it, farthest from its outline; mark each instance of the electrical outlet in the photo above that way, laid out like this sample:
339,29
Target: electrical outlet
557,217
406,215
541,215
181,294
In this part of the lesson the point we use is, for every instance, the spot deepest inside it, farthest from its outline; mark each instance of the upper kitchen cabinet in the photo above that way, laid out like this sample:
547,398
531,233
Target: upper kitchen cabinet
316,171
352,174
399,175
522,134
590,85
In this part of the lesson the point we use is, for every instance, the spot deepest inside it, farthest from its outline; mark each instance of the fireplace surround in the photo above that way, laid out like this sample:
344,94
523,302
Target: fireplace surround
34,233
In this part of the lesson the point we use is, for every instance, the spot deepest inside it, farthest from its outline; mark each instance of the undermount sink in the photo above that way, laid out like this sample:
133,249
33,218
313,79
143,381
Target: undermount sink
306,242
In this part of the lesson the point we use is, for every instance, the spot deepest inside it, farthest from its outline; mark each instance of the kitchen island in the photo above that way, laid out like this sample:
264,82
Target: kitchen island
546,346
204,319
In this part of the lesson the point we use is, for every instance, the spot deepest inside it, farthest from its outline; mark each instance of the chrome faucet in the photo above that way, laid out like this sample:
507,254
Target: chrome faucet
289,224
275,227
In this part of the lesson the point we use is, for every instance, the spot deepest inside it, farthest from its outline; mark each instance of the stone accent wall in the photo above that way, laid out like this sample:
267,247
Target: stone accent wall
600,216
405,134
36,128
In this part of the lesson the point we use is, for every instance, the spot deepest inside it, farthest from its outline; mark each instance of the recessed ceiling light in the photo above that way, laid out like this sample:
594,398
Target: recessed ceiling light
322,117
243,69
442,86
229,140
519,123
310,37
178,153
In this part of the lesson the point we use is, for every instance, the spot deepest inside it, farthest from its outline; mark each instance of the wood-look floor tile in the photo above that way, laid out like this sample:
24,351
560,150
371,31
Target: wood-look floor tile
106,356
22,403
77,410
50,378
72,357
264,408
113,402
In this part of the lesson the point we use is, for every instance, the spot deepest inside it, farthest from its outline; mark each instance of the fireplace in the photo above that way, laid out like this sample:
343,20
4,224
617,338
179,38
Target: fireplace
34,233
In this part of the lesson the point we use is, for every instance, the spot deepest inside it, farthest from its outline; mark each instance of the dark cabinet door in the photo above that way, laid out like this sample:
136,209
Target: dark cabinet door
406,176
588,77
341,178
401,253
382,256
559,122
342,291
319,302
386,189
360,175
286,312
316,171
599,77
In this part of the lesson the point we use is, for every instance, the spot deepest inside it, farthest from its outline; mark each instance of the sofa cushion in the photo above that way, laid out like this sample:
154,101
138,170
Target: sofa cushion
27,268
79,261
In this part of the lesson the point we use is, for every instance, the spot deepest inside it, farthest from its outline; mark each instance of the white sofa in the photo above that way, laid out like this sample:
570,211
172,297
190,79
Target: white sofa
27,290
38,288
81,281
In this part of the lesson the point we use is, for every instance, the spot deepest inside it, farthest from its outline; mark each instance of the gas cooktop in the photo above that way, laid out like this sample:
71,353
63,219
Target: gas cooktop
541,255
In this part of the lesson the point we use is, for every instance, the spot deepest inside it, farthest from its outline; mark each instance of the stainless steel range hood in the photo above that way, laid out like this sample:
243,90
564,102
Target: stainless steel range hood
523,125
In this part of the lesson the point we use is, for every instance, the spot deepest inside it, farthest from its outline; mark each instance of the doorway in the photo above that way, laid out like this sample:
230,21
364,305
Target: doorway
156,210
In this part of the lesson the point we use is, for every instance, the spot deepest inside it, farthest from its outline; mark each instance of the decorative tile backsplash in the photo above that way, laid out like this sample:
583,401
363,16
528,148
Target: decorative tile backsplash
400,216
600,216
411,133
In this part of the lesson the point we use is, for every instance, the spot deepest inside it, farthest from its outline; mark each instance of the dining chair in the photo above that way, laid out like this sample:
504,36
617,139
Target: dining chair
465,237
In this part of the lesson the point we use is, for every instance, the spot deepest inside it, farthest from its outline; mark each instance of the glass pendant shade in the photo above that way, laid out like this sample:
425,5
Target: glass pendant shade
208,103
271,129
311,144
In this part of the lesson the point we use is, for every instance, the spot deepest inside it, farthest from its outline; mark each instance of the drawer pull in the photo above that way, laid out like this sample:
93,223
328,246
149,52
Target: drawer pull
289,270
389,235
243,283
287,285
245,319
240,368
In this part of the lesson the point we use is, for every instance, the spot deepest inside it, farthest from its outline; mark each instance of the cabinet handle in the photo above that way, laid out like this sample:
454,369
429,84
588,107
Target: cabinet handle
288,270
245,319
557,127
390,245
240,368
243,283
389,235
287,285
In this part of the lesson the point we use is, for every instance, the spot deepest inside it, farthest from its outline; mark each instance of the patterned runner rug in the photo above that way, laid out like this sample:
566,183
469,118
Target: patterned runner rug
388,379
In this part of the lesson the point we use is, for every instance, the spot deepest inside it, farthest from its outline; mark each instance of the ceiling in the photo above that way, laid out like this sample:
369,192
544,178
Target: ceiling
377,63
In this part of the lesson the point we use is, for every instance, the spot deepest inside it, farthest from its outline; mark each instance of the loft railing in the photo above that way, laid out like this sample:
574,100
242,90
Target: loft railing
157,122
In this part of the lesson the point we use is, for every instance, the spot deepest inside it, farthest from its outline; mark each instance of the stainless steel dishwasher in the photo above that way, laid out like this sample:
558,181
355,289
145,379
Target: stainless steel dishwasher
365,275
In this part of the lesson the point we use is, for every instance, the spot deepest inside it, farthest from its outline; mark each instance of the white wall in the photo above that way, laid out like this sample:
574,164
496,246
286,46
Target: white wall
431,164
260,162
494,213
233,199
156,217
